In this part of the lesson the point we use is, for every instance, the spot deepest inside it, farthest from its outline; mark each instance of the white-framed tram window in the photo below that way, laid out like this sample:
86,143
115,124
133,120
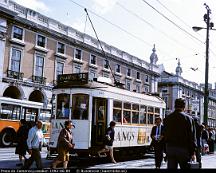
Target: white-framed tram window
135,113
15,59
18,33
80,106
150,115
142,116
117,111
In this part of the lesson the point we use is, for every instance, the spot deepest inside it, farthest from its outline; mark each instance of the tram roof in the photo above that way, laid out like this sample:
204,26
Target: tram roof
113,89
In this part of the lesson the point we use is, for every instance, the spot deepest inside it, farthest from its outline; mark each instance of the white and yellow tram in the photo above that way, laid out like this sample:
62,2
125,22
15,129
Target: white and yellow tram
92,105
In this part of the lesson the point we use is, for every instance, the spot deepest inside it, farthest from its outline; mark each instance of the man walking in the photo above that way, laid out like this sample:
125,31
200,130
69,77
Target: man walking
180,137
35,142
157,135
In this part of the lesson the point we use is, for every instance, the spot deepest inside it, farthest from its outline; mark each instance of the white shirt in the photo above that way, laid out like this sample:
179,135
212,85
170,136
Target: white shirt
35,137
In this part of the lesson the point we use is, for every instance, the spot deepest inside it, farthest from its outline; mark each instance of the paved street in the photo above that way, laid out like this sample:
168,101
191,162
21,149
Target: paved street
8,160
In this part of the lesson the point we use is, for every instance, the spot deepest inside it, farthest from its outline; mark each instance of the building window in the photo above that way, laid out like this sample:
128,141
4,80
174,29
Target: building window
128,72
39,65
77,69
138,75
106,64
146,89
78,54
61,48
138,88
41,41
15,60
92,74
106,75
17,33
93,59
128,85
146,78
118,68
59,69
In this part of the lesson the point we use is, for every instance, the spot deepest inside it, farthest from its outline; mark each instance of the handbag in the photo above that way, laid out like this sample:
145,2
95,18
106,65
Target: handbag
193,165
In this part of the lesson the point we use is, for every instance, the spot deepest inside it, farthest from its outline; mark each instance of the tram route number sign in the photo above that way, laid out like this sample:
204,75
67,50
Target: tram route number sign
66,80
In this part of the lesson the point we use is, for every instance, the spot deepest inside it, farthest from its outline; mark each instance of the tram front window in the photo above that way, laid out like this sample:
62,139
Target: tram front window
80,106
63,101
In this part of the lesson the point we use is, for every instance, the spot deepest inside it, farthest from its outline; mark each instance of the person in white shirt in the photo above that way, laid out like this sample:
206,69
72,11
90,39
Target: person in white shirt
35,142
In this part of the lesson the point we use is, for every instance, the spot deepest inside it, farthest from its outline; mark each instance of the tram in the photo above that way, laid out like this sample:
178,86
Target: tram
91,105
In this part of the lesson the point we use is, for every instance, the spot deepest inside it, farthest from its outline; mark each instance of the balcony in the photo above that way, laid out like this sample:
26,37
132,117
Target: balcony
39,79
15,75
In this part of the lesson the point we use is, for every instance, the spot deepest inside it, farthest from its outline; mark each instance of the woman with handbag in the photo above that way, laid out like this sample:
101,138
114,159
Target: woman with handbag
65,144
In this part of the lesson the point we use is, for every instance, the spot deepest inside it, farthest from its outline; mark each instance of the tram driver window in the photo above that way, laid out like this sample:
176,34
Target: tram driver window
63,101
80,106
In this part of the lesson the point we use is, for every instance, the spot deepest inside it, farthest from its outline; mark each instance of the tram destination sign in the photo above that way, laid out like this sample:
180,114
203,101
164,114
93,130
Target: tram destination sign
67,80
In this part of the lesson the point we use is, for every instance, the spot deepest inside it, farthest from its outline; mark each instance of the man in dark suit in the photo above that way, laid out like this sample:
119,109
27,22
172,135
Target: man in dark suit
157,135
180,137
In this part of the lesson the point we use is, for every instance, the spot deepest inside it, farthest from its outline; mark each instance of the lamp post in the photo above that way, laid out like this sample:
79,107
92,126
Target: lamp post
206,90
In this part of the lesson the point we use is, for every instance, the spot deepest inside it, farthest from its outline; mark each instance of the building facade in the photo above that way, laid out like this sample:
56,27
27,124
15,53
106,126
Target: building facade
173,86
34,49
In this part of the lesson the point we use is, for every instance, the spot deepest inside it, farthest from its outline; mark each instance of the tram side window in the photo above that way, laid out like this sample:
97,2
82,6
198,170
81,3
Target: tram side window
127,113
80,106
117,110
63,101
10,111
142,114
135,113
150,115
157,112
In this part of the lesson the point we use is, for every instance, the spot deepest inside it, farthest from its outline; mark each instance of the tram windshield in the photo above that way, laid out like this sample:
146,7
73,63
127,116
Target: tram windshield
63,101
80,106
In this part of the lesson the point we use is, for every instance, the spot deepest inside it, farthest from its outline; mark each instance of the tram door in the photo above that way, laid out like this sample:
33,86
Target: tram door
99,116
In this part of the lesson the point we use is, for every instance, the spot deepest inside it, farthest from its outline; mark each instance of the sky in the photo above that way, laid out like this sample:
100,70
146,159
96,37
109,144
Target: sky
134,26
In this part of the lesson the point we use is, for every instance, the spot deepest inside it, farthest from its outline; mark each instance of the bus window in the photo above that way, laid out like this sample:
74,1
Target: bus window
80,106
142,114
30,114
10,112
157,112
45,115
117,110
63,101
135,113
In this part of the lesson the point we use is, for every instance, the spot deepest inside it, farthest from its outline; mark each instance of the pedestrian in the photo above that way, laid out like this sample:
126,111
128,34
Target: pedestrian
157,135
180,137
64,145
199,129
211,140
35,141
108,142
21,148
205,138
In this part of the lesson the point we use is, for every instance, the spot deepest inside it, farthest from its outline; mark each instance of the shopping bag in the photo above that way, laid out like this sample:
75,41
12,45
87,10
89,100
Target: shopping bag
193,165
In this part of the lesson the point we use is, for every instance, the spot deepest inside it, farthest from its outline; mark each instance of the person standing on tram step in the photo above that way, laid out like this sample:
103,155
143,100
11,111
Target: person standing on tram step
64,145
108,142
35,142
180,137
157,135
21,148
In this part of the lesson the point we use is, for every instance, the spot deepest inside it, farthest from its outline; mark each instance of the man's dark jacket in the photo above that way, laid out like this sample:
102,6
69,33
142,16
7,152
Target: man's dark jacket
179,131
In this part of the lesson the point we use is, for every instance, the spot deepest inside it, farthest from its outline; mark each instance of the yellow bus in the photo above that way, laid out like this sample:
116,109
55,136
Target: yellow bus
11,112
